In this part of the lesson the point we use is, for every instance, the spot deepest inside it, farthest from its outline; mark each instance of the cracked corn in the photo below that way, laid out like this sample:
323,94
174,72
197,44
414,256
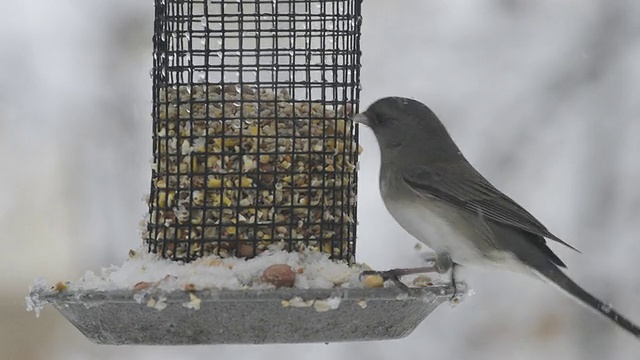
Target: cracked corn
252,168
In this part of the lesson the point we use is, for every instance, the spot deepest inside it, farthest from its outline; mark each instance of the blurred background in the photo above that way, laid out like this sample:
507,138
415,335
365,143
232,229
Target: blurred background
542,97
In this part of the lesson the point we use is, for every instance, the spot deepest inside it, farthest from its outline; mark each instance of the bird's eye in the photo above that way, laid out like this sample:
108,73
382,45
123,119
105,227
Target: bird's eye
384,119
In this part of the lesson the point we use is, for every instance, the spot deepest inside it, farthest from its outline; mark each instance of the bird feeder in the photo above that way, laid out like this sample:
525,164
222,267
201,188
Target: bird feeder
252,147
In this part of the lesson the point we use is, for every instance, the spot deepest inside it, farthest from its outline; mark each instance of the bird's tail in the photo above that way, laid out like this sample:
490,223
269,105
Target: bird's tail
557,277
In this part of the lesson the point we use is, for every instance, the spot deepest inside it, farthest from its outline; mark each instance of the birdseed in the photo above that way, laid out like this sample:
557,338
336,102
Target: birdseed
237,169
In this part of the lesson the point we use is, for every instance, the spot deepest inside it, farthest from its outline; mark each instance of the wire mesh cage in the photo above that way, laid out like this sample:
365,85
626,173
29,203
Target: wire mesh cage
251,138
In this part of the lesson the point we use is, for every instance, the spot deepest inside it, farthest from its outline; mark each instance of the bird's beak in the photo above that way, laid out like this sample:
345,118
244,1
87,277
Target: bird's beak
360,119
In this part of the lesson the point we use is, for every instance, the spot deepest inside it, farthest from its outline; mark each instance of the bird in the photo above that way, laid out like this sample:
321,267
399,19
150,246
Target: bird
437,196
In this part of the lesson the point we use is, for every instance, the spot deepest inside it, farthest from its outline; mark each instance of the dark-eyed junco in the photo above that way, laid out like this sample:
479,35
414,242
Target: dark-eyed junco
433,192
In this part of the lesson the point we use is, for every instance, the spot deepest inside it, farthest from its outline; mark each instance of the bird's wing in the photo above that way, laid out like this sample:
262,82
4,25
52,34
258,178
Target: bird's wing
475,194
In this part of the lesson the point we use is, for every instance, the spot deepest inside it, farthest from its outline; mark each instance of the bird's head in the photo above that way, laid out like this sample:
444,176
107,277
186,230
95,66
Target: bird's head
399,121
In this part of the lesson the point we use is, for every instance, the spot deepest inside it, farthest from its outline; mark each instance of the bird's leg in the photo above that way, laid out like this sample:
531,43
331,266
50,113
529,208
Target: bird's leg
445,263
441,264
453,278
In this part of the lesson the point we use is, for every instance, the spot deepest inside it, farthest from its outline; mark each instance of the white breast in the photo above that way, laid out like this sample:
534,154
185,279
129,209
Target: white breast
430,228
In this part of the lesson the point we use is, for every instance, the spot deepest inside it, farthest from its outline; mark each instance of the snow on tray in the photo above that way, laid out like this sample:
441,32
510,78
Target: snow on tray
143,270
312,270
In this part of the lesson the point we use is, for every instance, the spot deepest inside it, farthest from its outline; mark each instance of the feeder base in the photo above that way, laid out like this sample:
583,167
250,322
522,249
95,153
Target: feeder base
247,316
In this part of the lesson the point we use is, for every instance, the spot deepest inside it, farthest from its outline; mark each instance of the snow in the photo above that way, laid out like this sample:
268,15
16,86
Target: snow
331,303
143,270
314,270
33,301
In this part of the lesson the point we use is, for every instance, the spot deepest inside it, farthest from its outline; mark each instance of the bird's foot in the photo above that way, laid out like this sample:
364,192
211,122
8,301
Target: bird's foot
441,263
394,275
460,288
387,275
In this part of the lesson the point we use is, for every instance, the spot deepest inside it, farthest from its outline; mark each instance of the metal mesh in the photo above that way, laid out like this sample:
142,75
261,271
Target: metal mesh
252,145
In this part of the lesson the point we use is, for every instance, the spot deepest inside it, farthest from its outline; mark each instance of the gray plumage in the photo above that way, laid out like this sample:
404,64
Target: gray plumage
433,192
